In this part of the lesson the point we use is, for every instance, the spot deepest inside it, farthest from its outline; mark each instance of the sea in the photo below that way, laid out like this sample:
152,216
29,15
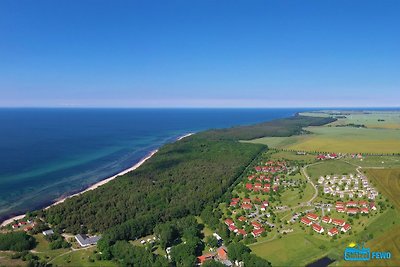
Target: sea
47,154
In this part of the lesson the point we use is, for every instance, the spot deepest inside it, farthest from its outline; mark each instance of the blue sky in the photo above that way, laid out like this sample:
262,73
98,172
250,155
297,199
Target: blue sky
199,53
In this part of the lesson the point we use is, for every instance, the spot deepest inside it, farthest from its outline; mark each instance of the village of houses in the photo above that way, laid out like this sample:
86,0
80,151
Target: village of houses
271,177
251,213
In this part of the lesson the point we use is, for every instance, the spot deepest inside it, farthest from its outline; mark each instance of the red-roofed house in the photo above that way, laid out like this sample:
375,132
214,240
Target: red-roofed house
257,232
352,210
345,228
247,206
236,199
341,210
14,226
229,222
333,231
326,219
339,204
266,190
242,232
364,210
372,206
233,204
203,258
256,225
258,185
318,228
251,177
222,254
249,186
233,228
312,216
351,204
246,200
242,219
306,221
338,222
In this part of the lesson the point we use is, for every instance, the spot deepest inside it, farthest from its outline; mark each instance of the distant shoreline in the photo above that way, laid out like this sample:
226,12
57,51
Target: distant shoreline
96,185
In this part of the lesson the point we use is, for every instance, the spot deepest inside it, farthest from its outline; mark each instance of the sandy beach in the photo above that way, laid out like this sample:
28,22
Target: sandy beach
98,184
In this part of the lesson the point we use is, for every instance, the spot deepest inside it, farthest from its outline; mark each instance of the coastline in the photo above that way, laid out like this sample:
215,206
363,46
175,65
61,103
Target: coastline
96,185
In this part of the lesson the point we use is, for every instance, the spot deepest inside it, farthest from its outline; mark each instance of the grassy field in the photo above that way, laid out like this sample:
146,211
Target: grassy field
299,248
388,182
338,139
370,120
376,161
330,167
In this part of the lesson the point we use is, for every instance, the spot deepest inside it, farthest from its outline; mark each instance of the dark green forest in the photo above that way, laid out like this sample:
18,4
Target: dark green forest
180,180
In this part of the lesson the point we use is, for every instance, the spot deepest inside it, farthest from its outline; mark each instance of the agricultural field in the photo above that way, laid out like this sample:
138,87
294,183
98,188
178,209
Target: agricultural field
339,140
388,182
370,119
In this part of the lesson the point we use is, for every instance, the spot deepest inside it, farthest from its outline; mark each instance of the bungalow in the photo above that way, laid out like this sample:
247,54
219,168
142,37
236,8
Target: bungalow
222,254
242,219
312,216
14,226
251,177
326,219
236,199
372,206
321,157
275,188
363,203
351,204
203,258
339,204
364,210
306,221
85,241
28,228
338,222
247,206
229,222
233,228
48,232
265,203
22,223
318,228
334,231
340,210
345,228
246,200
233,204
352,210
249,186
266,190
242,232
258,185
256,225
258,168
257,232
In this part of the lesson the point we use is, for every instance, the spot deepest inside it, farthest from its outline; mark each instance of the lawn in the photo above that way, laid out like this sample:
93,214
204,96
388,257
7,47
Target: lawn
376,161
300,248
81,258
339,140
330,167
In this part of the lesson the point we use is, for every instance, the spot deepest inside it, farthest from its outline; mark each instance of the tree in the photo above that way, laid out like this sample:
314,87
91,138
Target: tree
212,241
212,263
236,251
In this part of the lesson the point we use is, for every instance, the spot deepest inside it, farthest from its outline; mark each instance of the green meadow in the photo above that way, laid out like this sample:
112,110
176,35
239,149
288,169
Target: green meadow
339,140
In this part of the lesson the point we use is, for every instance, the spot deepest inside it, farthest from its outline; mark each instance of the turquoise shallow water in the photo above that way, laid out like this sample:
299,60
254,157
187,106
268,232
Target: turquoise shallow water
49,153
